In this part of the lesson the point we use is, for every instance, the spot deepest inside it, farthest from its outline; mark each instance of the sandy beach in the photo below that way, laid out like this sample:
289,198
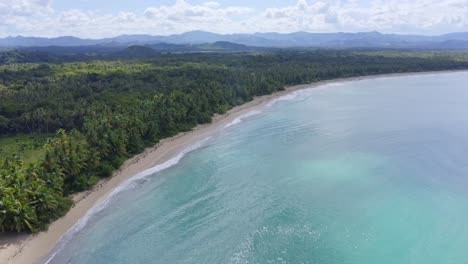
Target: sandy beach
23,248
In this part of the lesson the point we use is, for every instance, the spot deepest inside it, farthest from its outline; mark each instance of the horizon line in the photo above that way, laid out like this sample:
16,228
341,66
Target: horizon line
227,34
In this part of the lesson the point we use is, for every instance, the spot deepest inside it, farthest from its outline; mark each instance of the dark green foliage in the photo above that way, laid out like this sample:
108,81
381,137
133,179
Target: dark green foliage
30,196
106,111
41,98
74,158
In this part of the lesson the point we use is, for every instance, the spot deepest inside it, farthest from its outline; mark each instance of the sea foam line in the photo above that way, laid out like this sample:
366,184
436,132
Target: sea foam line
78,226
287,97
239,119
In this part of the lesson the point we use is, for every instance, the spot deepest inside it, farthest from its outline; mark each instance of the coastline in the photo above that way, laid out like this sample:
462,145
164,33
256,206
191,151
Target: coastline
24,248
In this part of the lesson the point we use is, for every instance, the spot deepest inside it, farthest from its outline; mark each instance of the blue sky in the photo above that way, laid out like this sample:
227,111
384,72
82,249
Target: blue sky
107,18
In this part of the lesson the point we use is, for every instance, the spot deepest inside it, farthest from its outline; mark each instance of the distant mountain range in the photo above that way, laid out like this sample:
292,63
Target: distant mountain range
85,53
456,41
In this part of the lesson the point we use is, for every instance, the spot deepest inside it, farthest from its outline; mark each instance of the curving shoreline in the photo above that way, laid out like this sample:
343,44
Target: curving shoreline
33,248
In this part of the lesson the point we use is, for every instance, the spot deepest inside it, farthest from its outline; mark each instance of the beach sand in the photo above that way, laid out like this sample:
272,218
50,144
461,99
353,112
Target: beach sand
25,249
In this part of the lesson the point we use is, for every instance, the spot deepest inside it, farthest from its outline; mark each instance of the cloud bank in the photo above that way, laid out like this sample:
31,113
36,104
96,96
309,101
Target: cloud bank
38,18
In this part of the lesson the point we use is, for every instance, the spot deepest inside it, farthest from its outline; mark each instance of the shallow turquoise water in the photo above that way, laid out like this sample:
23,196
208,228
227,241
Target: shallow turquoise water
372,171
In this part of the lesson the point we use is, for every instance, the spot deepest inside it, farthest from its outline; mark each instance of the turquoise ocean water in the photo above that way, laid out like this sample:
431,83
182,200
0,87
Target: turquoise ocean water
361,172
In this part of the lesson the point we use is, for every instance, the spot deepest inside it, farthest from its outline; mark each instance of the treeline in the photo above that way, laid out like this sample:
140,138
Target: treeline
106,111
41,98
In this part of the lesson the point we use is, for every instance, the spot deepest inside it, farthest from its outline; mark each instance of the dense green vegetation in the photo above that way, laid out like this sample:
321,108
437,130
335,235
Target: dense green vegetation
29,147
103,112
447,55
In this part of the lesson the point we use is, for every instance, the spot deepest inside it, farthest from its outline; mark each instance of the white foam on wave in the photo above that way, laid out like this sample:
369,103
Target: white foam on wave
287,97
239,119
335,84
123,186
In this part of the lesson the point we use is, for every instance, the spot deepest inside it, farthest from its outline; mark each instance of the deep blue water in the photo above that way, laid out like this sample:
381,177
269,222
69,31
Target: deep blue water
362,172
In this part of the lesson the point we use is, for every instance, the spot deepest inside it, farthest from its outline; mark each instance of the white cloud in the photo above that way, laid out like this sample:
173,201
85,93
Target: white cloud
212,4
23,8
402,16
186,12
37,17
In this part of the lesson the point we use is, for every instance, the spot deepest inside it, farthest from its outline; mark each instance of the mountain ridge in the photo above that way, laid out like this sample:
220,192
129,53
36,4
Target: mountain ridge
372,39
